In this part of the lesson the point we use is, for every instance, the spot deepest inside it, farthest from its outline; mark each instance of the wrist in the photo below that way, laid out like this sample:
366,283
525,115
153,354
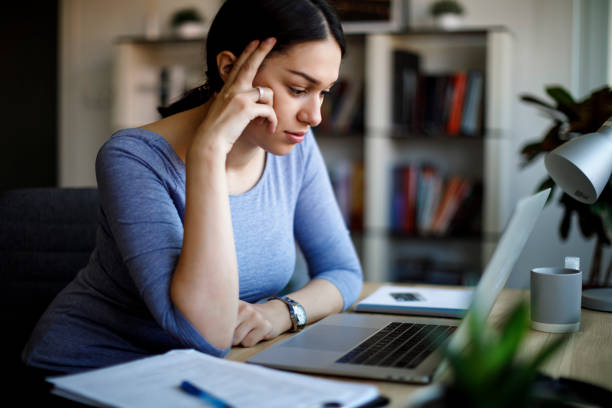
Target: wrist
206,152
282,318
295,311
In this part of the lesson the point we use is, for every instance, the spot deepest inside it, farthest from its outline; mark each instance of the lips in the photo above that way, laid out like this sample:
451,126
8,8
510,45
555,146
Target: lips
296,137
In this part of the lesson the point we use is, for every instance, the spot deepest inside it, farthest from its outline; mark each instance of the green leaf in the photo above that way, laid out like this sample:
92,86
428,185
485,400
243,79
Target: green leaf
537,101
560,95
565,102
486,372
512,334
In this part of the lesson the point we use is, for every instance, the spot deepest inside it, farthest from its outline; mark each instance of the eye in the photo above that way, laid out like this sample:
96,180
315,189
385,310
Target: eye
297,91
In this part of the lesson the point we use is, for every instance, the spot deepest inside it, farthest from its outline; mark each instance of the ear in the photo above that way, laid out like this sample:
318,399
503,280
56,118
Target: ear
225,63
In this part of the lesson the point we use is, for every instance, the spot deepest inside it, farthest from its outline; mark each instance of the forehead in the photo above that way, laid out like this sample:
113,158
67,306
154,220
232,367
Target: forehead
318,59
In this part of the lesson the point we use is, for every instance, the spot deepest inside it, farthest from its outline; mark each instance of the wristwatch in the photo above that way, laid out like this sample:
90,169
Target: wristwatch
297,314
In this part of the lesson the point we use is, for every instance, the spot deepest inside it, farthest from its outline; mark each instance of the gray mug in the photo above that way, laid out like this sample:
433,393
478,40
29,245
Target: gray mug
556,295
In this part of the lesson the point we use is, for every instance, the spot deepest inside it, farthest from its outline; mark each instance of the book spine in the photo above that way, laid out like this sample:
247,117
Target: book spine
456,108
405,83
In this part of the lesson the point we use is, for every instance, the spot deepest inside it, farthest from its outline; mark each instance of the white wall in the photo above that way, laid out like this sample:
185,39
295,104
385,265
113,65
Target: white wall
88,29
546,32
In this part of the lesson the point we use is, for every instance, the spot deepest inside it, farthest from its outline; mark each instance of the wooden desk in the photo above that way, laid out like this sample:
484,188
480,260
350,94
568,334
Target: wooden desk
587,355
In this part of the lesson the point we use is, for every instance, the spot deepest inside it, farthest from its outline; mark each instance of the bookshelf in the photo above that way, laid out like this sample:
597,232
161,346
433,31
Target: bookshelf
362,147
448,257
145,69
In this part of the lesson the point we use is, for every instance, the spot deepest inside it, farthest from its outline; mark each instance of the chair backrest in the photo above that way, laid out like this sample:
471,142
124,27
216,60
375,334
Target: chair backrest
46,237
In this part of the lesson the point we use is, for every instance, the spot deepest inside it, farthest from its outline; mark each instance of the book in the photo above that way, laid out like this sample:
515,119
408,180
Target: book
347,179
345,119
415,300
397,198
357,205
430,187
409,188
447,204
456,104
459,195
471,120
405,82
155,381
342,108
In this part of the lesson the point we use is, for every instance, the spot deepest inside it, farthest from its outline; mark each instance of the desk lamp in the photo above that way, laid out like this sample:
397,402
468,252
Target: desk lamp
582,168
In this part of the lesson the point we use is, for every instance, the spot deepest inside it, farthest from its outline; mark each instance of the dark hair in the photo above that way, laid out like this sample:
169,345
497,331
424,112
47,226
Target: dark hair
239,22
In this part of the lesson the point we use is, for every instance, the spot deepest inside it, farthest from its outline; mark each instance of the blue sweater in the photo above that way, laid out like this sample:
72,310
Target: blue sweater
118,308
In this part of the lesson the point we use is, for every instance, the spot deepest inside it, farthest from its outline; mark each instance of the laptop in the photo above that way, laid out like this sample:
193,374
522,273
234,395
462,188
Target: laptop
400,348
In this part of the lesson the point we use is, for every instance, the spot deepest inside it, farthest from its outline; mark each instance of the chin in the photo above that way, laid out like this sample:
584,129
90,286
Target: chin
280,149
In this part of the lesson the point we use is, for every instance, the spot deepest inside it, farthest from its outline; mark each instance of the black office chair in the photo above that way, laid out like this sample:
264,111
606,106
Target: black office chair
46,237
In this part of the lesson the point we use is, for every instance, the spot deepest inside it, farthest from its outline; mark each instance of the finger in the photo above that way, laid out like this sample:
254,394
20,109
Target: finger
263,95
247,70
241,332
246,53
266,112
257,334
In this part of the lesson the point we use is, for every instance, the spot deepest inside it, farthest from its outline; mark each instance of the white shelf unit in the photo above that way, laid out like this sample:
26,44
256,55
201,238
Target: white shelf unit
369,59
489,50
137,68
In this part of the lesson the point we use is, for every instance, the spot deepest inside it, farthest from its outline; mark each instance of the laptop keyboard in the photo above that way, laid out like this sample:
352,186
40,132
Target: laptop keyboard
399,345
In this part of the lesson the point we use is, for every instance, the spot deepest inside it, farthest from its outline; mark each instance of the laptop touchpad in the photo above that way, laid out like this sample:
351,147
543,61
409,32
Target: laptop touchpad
330,337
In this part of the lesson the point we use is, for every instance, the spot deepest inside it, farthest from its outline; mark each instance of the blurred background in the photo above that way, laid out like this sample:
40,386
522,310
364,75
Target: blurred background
77,70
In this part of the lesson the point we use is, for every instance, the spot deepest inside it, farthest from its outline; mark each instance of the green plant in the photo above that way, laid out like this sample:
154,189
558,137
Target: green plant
490,371
184,16
445,6
573,118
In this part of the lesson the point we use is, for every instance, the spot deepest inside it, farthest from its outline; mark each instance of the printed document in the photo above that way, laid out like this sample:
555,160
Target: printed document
155,382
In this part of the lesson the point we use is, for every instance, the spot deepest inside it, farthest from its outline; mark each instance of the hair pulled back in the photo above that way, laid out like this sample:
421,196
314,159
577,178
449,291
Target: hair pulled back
238,22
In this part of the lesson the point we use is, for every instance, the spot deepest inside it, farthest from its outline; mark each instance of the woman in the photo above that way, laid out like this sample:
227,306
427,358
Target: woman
201,209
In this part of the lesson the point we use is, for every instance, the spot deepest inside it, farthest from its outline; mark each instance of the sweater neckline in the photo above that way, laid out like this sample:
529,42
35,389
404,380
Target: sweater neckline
180,164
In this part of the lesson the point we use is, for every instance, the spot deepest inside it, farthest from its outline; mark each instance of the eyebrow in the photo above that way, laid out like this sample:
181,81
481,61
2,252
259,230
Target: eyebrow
308,77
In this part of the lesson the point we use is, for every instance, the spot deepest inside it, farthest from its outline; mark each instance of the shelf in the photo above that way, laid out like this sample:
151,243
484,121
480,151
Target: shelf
399,134
157,41
400,236
450,33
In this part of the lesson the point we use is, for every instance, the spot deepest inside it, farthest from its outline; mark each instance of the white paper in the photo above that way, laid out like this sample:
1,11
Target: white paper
154,382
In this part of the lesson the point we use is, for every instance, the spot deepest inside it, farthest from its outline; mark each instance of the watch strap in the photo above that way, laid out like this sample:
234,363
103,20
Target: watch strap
291,304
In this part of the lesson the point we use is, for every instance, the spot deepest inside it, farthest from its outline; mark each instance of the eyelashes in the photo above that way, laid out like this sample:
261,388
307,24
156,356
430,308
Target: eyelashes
298,91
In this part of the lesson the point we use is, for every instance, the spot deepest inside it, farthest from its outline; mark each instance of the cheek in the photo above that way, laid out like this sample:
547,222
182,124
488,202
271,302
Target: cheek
284,105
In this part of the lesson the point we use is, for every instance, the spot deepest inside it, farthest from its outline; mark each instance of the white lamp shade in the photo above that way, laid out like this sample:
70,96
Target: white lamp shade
582,166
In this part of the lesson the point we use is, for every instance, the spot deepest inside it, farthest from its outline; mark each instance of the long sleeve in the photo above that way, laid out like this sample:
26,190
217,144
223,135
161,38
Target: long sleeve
143,210
320,229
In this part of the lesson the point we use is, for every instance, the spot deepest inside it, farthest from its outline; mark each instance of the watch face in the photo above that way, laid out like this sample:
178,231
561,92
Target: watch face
300,313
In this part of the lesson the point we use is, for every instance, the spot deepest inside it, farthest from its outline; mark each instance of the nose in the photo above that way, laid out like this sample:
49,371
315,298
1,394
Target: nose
310,112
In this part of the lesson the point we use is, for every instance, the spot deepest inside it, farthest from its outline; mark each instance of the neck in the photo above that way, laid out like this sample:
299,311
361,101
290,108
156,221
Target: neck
244,156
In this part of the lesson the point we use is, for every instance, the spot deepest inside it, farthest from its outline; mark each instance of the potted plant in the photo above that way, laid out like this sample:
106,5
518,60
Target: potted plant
447,14
489,371
570,119
188,23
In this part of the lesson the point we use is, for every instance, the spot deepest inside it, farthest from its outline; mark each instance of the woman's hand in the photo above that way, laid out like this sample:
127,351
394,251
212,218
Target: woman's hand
260,321
238,102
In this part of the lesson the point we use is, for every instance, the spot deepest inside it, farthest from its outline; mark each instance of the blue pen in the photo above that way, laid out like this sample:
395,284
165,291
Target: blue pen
196,391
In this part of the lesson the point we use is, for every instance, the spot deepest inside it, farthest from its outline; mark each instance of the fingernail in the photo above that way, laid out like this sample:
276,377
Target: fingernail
270,40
